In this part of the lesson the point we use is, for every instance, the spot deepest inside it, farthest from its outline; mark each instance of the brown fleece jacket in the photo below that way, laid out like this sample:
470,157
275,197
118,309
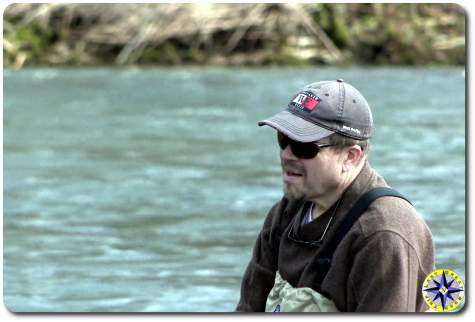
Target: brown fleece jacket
379,266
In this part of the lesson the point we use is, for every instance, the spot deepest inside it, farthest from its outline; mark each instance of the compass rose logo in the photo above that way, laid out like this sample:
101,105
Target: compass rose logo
443,290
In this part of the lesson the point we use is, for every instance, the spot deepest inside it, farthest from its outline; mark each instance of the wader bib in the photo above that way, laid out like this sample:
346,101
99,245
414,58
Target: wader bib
283,297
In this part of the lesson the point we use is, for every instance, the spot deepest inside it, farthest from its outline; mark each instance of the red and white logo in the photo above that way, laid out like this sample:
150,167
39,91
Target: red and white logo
305,101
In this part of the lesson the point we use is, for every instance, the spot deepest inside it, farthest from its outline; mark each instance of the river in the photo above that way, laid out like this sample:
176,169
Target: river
143,189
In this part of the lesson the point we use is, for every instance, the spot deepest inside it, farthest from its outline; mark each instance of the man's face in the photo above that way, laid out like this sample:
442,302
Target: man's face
311,178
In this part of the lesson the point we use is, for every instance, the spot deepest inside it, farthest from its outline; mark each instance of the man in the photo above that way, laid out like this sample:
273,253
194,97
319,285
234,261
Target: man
322,247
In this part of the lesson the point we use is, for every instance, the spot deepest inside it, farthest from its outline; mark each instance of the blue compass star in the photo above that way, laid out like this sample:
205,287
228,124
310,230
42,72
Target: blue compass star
443,290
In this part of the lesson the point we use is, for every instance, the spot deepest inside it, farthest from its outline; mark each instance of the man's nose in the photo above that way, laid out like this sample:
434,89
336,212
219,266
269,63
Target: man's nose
287,154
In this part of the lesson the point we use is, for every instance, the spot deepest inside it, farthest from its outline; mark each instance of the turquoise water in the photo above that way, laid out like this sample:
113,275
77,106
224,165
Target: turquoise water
139,190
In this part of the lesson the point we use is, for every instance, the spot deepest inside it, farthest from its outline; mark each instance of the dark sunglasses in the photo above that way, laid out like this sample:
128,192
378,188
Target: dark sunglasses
299,149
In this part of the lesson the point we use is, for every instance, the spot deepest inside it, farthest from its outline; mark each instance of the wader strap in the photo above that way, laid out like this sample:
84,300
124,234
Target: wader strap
323,262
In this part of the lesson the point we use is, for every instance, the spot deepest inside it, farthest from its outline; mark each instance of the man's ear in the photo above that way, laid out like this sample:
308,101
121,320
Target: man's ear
352,157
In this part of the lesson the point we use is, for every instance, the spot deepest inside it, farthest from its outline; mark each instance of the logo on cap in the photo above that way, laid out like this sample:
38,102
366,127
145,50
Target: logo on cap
305,101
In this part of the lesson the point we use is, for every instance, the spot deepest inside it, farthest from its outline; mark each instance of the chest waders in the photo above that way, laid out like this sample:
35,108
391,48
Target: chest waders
285,298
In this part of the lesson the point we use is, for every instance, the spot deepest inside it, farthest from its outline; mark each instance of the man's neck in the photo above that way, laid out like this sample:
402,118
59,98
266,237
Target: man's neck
323,204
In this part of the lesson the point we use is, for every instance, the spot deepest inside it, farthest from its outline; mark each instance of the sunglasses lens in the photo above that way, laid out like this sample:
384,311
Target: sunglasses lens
304,150
283,140
300,150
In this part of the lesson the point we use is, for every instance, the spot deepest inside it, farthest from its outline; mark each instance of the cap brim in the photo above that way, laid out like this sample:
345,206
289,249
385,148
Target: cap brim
296,127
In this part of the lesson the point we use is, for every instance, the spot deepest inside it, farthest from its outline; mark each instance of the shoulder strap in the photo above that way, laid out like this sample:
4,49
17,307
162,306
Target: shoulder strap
323,262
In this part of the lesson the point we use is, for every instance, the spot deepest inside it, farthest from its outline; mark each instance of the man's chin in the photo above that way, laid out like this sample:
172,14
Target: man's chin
292,194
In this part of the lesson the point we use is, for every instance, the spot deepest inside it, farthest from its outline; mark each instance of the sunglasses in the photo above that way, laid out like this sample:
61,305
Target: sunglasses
317,243
299,149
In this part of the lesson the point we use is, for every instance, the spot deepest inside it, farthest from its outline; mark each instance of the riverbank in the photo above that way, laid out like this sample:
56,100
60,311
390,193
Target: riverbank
233,34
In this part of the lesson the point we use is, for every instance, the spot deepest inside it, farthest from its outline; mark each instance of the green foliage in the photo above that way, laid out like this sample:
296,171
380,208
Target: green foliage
332,19
372,33
33,40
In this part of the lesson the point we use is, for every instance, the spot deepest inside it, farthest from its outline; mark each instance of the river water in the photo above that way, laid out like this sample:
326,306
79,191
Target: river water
143,190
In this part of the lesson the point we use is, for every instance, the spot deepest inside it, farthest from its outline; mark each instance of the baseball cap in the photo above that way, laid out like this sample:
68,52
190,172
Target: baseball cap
323,108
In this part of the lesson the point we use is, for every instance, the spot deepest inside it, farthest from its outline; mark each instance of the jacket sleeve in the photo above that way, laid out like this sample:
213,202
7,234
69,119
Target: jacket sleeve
385,276
260,273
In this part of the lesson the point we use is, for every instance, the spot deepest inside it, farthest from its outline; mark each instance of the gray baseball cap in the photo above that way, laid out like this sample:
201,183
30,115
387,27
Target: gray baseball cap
323,108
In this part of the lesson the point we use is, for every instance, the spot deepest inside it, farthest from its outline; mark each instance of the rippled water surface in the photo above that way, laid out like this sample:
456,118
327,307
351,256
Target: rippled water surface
144,189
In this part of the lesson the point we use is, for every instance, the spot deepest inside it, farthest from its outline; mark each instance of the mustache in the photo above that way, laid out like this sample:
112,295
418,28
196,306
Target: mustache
292,166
